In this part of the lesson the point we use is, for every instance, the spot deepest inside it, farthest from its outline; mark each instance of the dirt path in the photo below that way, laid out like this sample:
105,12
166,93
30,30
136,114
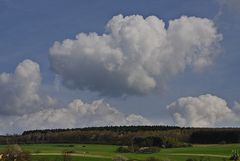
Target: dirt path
201,155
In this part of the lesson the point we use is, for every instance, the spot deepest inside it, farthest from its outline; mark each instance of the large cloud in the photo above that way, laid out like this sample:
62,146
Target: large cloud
76,114
19,91
135,55
24,107
203,111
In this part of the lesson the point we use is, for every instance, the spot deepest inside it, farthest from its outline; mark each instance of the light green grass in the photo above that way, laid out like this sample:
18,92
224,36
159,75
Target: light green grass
60,158
92,152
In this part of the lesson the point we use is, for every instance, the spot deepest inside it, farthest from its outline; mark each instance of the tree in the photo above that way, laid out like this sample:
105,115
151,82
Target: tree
15,153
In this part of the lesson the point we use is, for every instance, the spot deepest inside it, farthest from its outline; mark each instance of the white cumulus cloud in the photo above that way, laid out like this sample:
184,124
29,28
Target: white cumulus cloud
24,107
76,114
203,111
19,90
136,55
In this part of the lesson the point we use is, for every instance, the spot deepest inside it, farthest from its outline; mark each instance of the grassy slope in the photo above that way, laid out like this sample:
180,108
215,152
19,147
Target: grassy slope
108,151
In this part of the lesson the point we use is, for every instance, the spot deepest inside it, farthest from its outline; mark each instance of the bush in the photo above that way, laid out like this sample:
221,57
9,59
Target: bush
145,150
69,151
149,141
172,144
148,150
15,152
122,149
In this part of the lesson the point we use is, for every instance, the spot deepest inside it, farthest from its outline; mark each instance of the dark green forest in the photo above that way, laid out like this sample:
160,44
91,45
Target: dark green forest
168,136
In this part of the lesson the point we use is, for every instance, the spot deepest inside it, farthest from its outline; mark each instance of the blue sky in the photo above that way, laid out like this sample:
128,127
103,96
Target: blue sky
29,28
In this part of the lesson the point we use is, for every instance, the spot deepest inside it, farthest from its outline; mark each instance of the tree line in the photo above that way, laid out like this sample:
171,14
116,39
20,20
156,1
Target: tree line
172,136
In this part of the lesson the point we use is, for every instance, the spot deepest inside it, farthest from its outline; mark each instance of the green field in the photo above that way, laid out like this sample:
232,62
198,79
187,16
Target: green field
94,152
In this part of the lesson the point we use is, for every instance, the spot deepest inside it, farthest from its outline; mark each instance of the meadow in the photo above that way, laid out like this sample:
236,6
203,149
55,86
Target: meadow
98,152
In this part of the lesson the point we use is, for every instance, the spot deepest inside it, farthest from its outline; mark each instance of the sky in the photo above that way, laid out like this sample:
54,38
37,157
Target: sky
70,63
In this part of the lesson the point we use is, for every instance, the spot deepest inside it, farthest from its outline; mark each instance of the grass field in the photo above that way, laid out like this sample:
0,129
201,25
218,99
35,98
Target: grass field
93,152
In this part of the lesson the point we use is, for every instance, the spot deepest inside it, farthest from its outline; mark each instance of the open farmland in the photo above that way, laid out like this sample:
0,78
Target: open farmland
97,152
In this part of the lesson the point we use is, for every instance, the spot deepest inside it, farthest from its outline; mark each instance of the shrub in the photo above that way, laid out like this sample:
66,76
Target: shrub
122,149
15,152
148,150
69,151
173,144
147,141
145,150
